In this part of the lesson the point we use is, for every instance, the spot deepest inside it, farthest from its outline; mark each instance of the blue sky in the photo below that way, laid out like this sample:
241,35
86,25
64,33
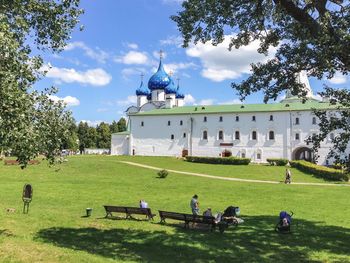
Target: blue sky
98,72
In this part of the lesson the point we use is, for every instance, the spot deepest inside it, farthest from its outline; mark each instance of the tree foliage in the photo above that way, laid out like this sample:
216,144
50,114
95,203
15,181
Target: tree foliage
309,35
31,123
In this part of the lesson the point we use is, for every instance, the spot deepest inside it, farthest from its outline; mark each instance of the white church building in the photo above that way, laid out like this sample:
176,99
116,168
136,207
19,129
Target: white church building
160,125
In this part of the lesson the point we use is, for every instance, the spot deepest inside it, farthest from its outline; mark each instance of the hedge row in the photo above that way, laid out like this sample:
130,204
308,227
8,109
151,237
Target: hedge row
218,160
277,161
320,171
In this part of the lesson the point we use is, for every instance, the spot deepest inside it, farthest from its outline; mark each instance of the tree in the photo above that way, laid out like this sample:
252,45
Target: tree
31,123
72,141
114,128
91,138
309,35
82,136
103,136
121,125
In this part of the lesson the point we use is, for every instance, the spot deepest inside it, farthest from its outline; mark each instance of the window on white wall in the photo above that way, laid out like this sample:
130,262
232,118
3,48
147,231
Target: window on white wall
172,137
271,135
297,136
258,155
253,118
220,119
254,136
237,135
297,121
184,135
169,123
313,120
205,119
237,118
271,117
181,122
142,124
221,135
205,135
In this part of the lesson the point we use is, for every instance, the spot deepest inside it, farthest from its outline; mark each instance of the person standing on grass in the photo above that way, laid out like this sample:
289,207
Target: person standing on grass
288,179
194,205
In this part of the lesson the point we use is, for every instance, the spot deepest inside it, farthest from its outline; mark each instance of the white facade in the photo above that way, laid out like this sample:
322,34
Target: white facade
168,135
163,127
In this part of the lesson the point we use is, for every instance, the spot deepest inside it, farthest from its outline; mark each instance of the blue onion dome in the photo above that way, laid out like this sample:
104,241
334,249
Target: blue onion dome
180,95
142,91
160,79
171,88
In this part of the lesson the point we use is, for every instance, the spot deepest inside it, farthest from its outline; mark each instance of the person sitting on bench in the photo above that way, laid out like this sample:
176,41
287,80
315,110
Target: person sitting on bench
143,204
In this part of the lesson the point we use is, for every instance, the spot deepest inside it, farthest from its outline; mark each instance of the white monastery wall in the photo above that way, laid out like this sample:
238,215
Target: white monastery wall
151,135
120,145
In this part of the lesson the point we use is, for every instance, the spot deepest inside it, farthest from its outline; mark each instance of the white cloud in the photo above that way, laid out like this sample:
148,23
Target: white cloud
234,101
68,100
133,45
175,67
338,78
172,41
127,72
133,57
156,54
220,64
206,102
132,99
97,54
92,123
94,77
189,100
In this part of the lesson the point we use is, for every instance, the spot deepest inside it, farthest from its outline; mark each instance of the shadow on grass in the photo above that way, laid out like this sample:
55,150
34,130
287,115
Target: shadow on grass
253,241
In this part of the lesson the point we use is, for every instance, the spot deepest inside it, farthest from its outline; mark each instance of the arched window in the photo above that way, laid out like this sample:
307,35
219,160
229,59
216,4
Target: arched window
205,135
237,118
313,120
271,117
221,135
271,135
258,154
296,121
169,123
220,119
205,119
181,122
172,137
297,136
236,135
254,135
142,123
184,135
253,118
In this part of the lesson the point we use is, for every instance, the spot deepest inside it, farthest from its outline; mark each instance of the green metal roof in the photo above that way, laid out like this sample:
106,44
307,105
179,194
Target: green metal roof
122,133
240,108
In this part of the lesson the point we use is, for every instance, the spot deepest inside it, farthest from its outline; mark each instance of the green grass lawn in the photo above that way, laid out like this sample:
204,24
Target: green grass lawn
55,231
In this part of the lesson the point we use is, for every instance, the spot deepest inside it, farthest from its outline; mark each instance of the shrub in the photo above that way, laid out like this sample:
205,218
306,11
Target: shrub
163,174
277,161
320,171
218,160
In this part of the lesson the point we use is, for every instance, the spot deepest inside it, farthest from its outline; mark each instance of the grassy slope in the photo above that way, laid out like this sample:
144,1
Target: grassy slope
259,172
55,231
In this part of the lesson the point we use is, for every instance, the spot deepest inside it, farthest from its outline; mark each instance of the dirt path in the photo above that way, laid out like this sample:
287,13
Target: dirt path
227,178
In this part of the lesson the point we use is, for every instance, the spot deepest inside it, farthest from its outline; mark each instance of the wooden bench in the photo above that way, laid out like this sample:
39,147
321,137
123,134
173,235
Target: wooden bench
128,211
188,218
